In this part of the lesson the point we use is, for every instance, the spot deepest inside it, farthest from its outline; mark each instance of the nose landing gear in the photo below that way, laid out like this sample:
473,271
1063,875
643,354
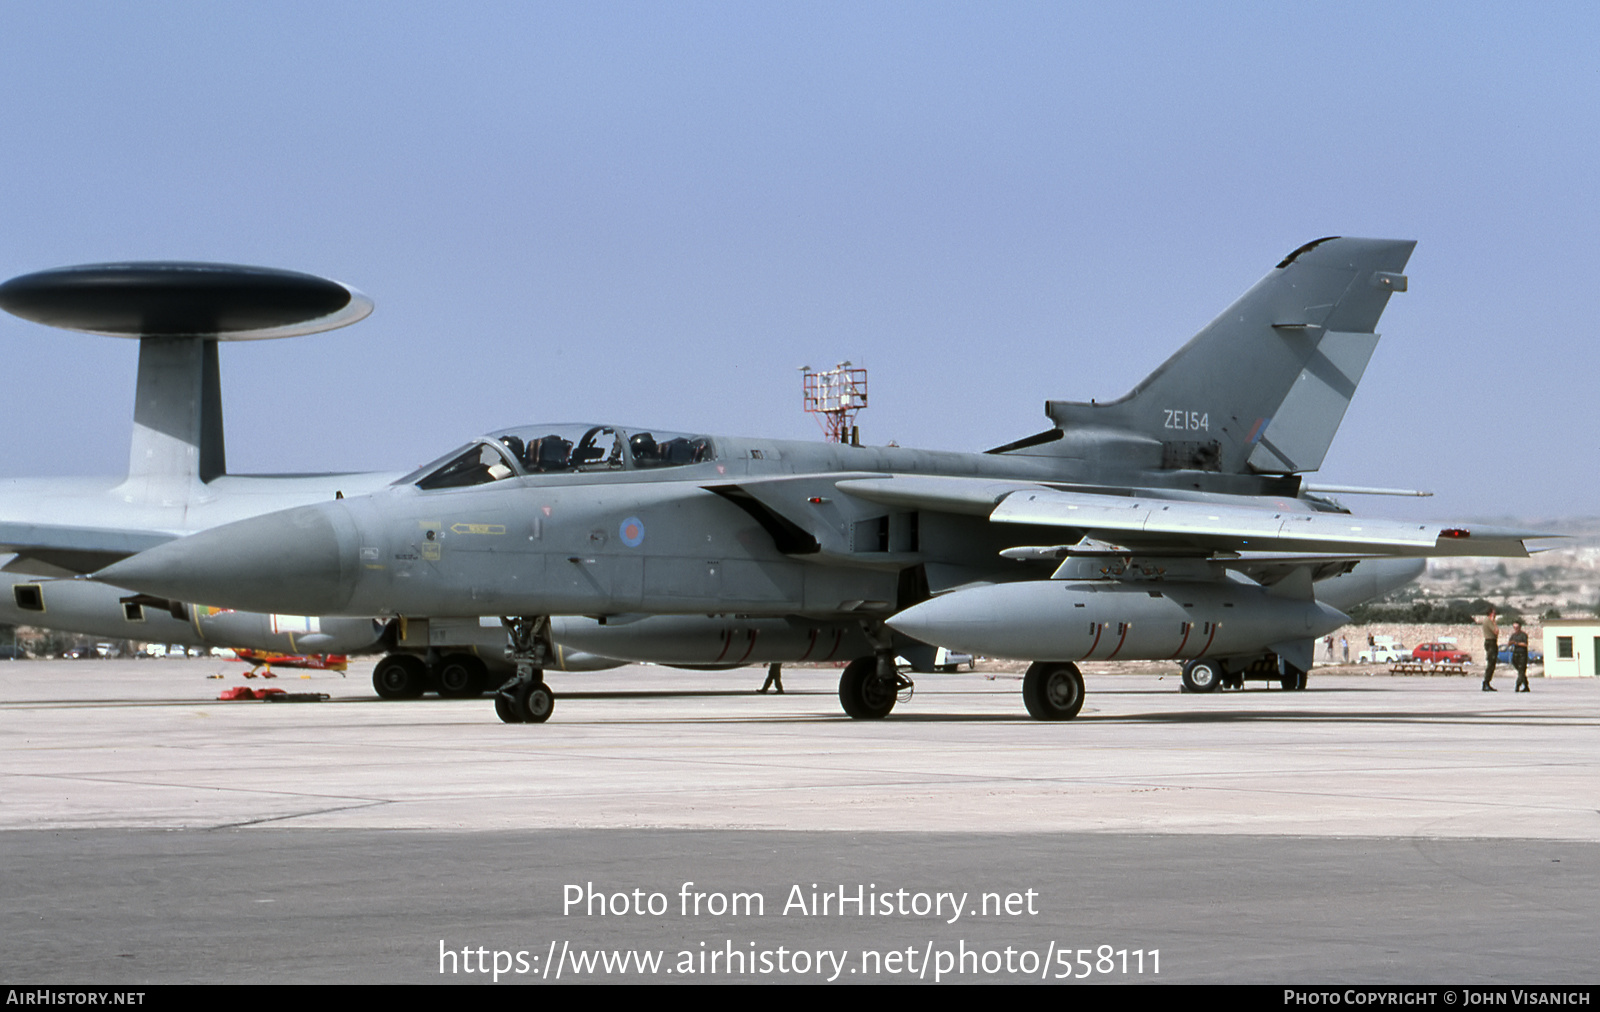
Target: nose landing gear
525,699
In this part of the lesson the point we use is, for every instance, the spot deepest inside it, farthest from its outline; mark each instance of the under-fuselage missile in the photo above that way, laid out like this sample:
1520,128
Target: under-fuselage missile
1079,620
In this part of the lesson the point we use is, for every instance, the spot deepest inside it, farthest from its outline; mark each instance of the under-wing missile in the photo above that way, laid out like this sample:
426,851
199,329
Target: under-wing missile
1074,620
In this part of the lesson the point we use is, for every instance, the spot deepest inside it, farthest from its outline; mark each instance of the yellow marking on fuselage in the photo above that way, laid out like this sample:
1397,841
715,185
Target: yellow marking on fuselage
478,528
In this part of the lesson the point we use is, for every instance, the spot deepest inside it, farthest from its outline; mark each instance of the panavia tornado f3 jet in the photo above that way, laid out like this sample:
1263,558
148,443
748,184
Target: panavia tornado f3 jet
1171,523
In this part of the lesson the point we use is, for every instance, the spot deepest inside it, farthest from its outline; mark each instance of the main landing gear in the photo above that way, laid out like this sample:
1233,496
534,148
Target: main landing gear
525,699
1203,675
461,676
1053,690
1207,674
407,676
870,686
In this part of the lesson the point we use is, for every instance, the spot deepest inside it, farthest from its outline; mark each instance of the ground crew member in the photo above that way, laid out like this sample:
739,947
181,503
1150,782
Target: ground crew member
1519,656
774,678
1491,648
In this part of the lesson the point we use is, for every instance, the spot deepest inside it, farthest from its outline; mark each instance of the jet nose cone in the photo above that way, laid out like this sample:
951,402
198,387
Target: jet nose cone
296,562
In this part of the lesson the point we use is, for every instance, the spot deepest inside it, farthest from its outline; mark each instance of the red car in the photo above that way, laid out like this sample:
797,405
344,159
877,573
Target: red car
1441,653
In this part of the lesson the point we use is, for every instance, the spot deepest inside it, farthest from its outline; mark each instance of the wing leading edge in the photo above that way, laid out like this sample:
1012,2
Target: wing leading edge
1186,526
64,549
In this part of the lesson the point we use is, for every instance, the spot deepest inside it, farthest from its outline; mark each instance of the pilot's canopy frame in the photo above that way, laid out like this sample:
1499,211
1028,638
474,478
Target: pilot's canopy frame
560,449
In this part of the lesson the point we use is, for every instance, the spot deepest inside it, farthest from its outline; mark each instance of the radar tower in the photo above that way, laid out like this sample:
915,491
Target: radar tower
834,396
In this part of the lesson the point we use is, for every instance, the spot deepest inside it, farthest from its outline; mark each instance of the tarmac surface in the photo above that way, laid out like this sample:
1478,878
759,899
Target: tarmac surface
1371,829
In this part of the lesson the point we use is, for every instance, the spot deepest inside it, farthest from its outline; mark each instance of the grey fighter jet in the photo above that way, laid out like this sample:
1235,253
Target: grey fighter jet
1170,523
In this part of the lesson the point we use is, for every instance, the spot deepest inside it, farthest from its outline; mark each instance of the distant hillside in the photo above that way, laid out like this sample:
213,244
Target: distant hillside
1563,581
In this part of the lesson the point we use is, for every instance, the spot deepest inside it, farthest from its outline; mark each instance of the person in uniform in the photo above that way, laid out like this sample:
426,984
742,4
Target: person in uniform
1491,648
1519,656
774,678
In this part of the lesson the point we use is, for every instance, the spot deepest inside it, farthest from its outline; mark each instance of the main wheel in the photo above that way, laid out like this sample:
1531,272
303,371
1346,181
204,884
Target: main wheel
1293,678
1053,691
862,693
535,702
400,676
461,676
1203,675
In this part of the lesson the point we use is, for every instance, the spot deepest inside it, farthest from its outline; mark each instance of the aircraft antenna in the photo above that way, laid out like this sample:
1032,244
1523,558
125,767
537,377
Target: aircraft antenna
834,396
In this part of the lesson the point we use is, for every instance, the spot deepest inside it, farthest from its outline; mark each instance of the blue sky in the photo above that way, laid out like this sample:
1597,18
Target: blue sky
654,213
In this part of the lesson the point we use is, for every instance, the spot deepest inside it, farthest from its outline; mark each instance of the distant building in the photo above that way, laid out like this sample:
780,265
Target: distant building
1571,647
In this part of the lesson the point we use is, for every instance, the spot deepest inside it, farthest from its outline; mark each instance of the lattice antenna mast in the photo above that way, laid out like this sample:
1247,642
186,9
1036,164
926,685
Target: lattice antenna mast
834,396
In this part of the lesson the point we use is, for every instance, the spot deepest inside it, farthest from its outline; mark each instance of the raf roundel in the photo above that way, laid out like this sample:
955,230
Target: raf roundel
632,532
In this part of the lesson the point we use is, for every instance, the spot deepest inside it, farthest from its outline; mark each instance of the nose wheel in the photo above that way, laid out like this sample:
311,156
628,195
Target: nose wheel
525,702
526,699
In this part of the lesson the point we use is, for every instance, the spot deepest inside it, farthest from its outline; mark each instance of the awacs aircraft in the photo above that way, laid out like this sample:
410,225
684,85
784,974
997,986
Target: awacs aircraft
177,480
1170,523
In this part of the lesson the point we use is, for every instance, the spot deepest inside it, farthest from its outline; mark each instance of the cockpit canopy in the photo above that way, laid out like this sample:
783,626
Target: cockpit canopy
560,449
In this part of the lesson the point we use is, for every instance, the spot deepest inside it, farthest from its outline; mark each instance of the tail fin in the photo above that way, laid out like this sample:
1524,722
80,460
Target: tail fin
177,413
1263,388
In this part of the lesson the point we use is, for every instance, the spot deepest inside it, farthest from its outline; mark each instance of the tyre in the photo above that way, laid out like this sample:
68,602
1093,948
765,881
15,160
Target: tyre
1053,691
461,676
400,676
1293,679
535,702
505,708
1203,675
862,693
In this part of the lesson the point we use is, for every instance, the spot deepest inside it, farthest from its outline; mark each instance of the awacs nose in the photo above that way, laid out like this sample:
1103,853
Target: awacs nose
297,562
